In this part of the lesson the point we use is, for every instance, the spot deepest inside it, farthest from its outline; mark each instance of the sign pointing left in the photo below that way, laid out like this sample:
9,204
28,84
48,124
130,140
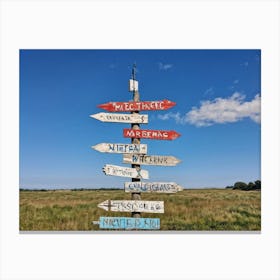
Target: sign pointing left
121,118
116,170
132,206
120,148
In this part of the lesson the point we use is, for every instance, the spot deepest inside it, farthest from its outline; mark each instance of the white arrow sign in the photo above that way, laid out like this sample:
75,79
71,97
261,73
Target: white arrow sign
159,187
116,170
121,118
150,160
132,206
121,148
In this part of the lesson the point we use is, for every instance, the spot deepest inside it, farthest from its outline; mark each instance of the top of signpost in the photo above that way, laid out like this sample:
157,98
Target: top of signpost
134,72
133,84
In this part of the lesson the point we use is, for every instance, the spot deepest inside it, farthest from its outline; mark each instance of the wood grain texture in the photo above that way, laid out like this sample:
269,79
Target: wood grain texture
151,134
137,105
115,170
121,118
119,148
129,223
158,187
150,160
132,206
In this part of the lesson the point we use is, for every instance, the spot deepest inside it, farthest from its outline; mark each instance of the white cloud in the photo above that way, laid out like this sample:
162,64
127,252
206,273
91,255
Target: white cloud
164,66
177,117
219,111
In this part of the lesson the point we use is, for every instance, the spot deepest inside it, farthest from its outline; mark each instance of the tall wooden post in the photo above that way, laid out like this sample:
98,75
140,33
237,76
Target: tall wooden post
136,97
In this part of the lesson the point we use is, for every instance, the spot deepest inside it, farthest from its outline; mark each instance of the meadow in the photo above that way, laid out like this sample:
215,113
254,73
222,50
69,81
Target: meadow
188,210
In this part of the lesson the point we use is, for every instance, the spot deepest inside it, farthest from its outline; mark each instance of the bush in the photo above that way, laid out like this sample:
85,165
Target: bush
244,187
258,185
240,186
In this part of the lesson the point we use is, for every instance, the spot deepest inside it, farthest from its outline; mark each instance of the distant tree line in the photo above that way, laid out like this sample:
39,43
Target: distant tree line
73,189
251,186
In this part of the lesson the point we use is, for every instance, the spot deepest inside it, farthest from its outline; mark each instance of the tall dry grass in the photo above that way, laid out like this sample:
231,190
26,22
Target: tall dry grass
201,210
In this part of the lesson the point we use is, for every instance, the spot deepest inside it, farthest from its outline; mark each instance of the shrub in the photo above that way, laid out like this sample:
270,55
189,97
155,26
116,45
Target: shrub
240,186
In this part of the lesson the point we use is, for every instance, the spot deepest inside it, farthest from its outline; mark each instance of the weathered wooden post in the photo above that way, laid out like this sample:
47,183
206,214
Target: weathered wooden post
133,86
136,155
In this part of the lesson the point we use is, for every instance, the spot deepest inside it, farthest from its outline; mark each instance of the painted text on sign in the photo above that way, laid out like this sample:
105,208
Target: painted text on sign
132,206
137,106
121,148
129,223
150,134
160,187
150,160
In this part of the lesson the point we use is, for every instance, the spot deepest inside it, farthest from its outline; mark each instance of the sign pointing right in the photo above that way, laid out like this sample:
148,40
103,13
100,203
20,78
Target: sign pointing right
150,160
158,187
137,106
151,134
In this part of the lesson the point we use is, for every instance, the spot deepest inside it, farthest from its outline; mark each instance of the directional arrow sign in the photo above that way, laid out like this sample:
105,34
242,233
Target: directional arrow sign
132,206
121,118
116,170
159,187
150,160
137,106
129,223
151,134
121,148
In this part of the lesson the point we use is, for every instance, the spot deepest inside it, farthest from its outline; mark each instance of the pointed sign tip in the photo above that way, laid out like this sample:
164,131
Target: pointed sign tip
175,135
179,188
169,103
93,116
104,205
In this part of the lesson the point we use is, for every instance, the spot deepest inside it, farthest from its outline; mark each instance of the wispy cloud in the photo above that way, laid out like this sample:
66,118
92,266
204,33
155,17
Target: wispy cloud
164,67
177,117
245,64
220,111
233,87
209,91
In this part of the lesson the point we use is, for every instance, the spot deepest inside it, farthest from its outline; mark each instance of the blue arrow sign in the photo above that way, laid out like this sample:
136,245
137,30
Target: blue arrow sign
129,223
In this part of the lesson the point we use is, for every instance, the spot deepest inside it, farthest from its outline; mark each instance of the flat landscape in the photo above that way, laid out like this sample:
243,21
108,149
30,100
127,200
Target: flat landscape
199,210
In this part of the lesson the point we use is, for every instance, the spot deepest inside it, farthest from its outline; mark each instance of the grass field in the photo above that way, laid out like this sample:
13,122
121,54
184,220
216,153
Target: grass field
200,210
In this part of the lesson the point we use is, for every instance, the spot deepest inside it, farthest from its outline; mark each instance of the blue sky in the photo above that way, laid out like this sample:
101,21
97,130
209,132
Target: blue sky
217,114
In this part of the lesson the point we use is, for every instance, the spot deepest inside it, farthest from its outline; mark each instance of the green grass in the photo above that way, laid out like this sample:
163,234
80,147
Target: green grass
200,210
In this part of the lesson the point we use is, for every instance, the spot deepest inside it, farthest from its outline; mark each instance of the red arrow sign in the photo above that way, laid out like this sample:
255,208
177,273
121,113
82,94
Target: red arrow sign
137,106
151,134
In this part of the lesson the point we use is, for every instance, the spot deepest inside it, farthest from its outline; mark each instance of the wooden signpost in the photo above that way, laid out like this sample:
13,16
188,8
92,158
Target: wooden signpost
137,106
151,134
158,187
150,160
121,148
129,223
132,206
136,155
116,170
121,118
